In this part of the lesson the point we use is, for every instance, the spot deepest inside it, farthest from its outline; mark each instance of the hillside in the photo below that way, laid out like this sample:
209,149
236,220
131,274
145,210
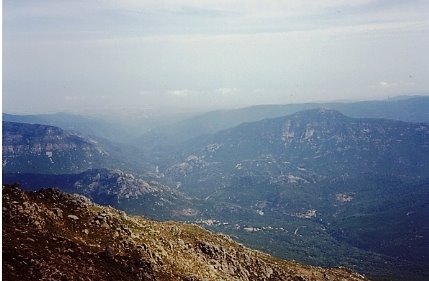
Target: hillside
35,148
298,185
40,148
305,146
53,235
116,188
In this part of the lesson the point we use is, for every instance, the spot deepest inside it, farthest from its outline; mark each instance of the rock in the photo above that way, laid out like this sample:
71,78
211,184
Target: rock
207,249
62,253
109,252
73,217
58,212
105,225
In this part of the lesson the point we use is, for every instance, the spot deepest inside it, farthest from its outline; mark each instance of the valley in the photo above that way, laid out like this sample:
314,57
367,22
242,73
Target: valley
215,140
316,186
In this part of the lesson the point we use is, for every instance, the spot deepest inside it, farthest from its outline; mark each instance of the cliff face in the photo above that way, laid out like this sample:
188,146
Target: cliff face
51,235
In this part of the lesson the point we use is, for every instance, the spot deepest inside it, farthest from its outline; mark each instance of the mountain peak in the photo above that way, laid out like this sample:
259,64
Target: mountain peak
319,113
35,147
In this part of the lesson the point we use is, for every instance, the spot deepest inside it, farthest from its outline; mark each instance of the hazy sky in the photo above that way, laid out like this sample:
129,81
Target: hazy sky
92,55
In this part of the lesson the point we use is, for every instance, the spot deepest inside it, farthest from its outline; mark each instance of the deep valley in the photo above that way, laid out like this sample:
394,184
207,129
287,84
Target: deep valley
315,186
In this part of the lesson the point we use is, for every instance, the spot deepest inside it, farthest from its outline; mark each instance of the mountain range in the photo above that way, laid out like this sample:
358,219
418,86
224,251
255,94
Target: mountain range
414,109
316,186
337,182
147,131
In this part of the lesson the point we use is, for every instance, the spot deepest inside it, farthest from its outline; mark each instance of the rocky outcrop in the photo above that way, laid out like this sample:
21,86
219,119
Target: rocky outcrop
116,188
50,235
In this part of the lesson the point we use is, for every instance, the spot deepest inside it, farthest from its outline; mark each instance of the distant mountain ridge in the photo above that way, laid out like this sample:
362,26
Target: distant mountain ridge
40,148
88,126
323,141
113,127
155,133
414,109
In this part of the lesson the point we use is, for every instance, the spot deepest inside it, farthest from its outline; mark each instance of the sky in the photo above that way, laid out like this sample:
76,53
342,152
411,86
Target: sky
80,55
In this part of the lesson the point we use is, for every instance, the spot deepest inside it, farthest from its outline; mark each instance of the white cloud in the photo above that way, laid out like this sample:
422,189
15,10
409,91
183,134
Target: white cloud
259,90
72,98
143,18
392,85
385,84
246,7
180,93
227,91
212,53
224,92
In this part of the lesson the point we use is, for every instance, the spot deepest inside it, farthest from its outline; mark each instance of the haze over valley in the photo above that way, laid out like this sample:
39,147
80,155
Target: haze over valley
227,140
314,185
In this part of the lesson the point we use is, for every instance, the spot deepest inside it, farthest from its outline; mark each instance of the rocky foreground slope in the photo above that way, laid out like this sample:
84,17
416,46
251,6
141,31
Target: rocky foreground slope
50,235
